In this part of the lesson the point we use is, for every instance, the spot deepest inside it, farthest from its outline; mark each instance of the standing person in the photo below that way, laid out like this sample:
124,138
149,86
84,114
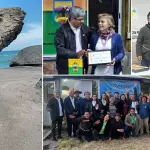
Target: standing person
71,40
116,96
108,94
96,108
144,112
80,99
122,107
104,104
116,128
143,44
72,109
56,108
132,123
87,103
106,38
133,103
112,108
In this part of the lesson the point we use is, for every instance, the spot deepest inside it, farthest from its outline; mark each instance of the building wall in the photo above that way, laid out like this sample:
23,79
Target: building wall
127,42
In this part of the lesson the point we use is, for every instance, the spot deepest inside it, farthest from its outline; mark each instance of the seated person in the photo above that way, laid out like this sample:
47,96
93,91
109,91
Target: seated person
116,129
132,123
102,130
85,126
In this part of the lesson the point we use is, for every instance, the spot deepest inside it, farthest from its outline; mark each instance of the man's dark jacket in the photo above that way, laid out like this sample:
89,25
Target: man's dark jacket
65,44
143,43
69,109
53,106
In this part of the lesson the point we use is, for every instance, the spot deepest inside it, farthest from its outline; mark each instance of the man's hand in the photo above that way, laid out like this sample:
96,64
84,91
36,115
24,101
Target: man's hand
139,58
86,52
131,125
80,53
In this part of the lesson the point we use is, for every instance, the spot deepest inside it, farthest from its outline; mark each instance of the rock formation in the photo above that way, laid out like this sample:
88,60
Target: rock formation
30,56
11,23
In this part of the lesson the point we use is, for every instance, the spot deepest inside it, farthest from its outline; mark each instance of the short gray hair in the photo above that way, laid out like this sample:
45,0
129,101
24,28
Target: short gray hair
76,12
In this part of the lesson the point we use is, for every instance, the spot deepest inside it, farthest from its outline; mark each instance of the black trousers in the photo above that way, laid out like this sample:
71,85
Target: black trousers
71,127
86,134
58,122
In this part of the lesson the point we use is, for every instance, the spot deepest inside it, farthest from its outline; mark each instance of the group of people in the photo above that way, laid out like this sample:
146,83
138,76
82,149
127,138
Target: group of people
74,40
113,116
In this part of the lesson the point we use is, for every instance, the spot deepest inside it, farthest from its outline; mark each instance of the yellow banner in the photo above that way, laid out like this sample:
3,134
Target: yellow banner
75,63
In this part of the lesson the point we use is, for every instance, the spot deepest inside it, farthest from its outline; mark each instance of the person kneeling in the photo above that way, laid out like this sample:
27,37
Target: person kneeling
101,131
116,130
85,127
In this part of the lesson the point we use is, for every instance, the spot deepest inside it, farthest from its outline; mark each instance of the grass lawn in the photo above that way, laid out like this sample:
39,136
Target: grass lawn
140,143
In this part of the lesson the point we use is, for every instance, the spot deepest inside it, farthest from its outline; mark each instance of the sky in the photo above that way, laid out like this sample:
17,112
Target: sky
31,33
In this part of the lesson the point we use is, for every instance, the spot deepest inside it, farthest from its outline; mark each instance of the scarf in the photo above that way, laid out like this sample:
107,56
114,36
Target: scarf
106,34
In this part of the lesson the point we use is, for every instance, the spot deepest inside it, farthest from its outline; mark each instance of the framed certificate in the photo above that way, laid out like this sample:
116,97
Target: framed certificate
99,57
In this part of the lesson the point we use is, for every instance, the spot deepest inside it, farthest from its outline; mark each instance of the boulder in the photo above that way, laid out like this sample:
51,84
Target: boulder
30,56
11,23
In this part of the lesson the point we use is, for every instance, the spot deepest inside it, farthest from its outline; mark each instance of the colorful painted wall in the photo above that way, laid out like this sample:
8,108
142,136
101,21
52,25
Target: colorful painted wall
54,15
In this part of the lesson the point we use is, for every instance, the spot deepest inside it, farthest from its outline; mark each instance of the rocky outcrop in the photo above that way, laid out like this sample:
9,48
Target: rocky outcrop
11,23
30,56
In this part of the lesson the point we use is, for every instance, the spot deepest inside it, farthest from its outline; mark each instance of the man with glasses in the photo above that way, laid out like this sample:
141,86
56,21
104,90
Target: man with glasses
71,40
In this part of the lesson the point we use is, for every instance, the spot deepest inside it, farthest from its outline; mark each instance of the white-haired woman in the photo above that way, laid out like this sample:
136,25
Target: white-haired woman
107,38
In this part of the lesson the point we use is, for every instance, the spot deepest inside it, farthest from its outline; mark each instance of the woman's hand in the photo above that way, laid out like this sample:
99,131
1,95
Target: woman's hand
112,63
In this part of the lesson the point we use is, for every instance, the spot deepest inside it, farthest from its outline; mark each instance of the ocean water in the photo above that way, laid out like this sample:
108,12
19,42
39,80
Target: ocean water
6,57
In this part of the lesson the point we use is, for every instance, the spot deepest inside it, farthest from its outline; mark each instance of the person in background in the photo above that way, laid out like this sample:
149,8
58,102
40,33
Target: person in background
87,103
132,123
148,98
96,108
143,44
80,99
85,126
104,104
116,96
112,108
132,102
108,94
72,109
56,108
102,132
116,128
71,40
144,112
122,107
106,38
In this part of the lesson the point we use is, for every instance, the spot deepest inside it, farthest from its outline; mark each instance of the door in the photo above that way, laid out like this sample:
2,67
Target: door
96,7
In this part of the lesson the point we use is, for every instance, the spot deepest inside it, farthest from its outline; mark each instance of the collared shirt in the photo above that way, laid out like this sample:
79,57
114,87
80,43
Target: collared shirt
93,103
60,107
77,32
134,104
72,101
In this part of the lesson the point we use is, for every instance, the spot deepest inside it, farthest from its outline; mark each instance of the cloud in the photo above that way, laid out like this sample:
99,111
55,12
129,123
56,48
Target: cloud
32,36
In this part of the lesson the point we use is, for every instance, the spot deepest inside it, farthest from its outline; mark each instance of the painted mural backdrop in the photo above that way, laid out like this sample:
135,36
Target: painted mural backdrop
55,13
120,86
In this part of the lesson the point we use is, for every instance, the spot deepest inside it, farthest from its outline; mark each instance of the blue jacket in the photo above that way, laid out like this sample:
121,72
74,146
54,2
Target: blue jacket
87,106
144,110
69,109
117,51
